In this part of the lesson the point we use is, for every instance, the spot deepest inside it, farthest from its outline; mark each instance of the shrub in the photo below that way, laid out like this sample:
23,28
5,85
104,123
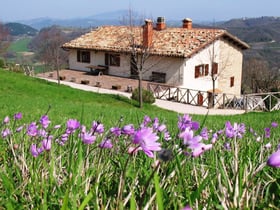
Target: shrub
2,63
147,96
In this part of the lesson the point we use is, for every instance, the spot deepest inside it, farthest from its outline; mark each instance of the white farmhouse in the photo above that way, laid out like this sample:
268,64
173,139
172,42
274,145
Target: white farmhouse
183,57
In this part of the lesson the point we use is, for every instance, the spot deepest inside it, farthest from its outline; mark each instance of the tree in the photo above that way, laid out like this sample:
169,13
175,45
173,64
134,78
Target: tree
5,38
140,41
258,77
47,44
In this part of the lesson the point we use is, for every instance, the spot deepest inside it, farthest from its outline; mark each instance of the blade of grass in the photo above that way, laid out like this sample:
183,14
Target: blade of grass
159,198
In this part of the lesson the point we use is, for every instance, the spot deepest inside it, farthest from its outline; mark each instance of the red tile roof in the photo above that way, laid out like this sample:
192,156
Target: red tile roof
179,42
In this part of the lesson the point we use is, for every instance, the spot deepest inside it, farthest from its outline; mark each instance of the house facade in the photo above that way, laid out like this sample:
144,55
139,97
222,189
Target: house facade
187,57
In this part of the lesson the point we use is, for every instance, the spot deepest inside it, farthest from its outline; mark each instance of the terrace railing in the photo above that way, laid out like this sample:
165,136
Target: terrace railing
249,102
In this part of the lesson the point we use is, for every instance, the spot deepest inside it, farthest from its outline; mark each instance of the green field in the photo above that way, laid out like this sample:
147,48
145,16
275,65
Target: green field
43,169
21,45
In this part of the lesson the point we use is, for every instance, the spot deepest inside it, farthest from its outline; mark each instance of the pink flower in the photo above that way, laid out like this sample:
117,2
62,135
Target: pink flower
107,144
47,143
6,120
88,138
147,140
274,160
45,121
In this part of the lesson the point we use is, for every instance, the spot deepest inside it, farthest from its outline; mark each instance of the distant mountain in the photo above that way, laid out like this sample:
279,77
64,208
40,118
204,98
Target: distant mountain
18,29
262,29
109,18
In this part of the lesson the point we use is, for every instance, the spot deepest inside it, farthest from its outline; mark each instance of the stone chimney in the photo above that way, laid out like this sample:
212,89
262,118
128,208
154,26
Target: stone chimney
148,33
187,23
160,23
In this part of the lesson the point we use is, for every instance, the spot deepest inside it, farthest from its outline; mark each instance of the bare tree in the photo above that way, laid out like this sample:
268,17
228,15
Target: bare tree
141,42
258,77
48,46
5,38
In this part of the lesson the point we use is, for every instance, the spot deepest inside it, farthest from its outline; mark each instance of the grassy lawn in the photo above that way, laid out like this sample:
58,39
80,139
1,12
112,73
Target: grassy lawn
68,167
20,45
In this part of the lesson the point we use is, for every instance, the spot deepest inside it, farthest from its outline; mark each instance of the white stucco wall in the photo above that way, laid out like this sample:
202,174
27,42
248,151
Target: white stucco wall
229,59
96,58
231,66
205,56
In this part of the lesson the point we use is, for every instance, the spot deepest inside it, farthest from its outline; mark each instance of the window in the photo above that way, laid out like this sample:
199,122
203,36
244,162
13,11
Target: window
112,59
83,56
214,68
201,70
231,81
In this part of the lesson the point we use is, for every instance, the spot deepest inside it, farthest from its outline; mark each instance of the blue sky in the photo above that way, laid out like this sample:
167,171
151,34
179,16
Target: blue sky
202,10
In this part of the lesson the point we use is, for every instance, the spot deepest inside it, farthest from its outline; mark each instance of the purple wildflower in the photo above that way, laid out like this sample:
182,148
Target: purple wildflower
5,133
274,124
200,148
194,142
161,128
234,131
167,136
267,132
57,127
146,121
106,144
72,125
274,160
128,129
214,138
187,207
204,133
19,129
88,138
186,122
18,116
155,123
147,140
116,131
35,151
32,129
189,138
97,127
44,121
6,120
47,143
227,146
63,139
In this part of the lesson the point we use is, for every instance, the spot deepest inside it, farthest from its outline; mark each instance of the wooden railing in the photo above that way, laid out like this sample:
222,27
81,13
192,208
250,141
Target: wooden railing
249,102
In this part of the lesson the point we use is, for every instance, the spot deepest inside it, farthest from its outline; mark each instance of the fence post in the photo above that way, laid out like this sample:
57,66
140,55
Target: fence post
224,100
246,103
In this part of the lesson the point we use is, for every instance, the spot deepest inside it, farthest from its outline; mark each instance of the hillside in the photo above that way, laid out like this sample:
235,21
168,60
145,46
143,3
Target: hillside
262,34
18,29
262,29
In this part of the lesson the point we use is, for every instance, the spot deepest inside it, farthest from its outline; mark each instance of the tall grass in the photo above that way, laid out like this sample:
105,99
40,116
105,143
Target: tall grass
84,176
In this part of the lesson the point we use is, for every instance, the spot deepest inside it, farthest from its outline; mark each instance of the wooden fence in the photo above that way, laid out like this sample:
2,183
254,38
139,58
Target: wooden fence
249,102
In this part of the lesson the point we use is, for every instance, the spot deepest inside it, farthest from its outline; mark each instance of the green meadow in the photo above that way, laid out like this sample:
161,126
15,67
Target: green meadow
41,169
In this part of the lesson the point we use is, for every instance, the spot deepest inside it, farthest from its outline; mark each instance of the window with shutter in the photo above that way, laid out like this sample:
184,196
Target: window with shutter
196,71
231,81
215,68
206,69
201,70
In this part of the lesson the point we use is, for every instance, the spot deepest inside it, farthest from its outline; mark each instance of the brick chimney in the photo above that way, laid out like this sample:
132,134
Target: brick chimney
160,23
148,33
187,23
